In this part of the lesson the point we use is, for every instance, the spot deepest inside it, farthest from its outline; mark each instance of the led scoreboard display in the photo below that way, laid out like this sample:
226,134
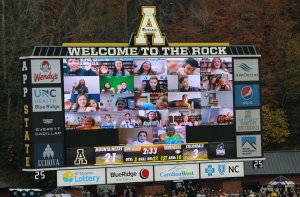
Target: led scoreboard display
147,101
150,153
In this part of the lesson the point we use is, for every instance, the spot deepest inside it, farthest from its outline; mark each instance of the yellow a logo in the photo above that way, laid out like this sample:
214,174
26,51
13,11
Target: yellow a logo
149,26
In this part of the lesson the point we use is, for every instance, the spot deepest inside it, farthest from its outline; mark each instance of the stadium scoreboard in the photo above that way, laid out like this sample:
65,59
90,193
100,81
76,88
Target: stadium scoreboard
145,101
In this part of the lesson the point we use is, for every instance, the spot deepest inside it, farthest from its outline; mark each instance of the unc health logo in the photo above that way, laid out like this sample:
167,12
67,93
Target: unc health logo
247,92
221,169
144,173
245,67
45,66
68,176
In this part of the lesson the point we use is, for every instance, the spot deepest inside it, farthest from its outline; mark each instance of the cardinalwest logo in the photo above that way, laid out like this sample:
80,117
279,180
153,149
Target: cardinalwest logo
247,95
149,26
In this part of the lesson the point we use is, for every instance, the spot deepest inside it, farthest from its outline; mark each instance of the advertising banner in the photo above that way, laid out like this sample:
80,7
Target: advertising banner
176,172
221,170
129,174
80,177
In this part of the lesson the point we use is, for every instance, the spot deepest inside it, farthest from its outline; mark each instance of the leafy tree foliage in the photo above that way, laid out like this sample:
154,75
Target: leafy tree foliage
275,127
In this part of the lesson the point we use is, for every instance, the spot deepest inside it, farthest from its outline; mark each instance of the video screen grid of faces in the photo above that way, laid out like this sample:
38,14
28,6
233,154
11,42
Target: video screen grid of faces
162,95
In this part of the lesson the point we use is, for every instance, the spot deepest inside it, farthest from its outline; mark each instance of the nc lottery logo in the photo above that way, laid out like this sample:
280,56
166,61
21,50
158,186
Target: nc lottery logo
247,95
68,177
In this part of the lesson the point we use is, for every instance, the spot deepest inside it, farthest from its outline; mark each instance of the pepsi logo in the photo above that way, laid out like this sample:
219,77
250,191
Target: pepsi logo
247,92
144,173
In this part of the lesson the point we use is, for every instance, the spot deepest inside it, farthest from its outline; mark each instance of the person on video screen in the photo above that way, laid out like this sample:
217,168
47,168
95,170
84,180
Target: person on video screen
221,120
189,68
81,103
68,104
185,121
217,67
74,68
146,69
216,104
161,102
183,102
118,69
170,137
122,88
89,123
108,123
128,122
120,104
223,85
108,89
212,84
93,106
141,138
184,81
153,85
139,121
154,120
80,88
151,120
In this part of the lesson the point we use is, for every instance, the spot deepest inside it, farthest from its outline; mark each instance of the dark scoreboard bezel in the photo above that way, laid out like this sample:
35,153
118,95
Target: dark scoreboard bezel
74,139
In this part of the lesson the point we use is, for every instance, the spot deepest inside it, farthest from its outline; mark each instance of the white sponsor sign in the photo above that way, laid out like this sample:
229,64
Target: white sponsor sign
129,174
248,146
248,120
46,99
246,70
221,170
45,71
176,172
81,177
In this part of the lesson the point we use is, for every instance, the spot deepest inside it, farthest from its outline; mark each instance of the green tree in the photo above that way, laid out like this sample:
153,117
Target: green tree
275,128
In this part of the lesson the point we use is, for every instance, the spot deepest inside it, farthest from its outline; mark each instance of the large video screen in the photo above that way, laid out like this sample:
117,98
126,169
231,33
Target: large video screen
139,106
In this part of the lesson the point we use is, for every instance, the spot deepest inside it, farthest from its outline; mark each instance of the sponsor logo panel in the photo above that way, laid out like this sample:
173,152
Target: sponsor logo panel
246,70
176,172
49,155
248,120
47,126
130,174
221,150
46,99
247,95
45,71
248,146
80,156
221,170
81,177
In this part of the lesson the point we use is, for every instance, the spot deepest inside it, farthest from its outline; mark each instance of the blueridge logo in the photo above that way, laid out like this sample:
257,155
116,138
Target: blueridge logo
123,174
